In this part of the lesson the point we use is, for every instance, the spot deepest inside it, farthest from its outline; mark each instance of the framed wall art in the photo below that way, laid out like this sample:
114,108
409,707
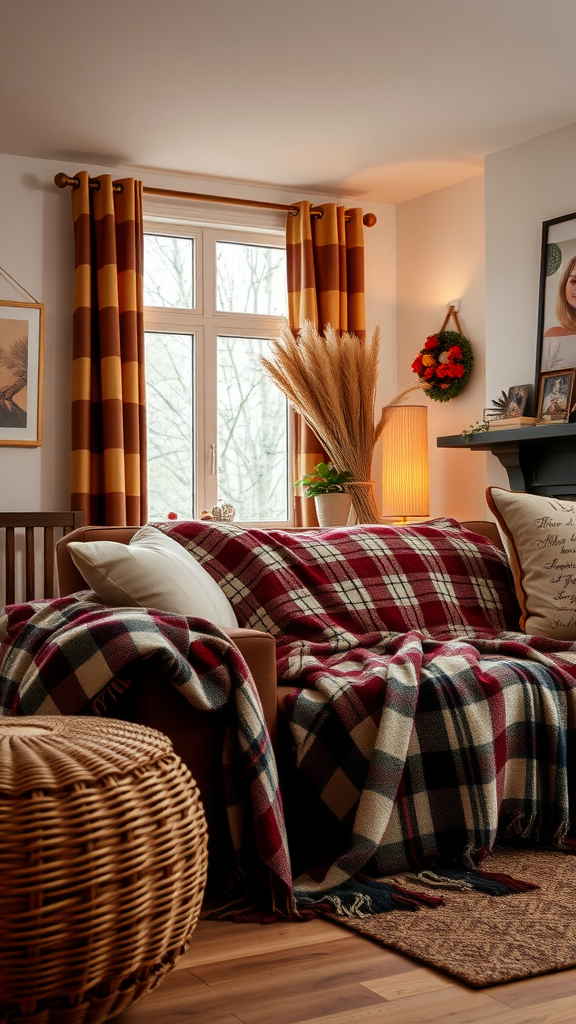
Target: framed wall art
555,398
21,356
556,346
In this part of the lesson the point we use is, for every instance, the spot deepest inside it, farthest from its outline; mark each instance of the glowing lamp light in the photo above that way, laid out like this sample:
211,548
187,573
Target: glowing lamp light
405,462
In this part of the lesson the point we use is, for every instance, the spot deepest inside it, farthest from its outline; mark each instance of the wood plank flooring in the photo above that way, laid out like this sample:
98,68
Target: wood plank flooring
320,973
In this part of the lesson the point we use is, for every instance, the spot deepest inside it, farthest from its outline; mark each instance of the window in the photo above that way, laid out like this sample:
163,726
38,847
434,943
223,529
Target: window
217,427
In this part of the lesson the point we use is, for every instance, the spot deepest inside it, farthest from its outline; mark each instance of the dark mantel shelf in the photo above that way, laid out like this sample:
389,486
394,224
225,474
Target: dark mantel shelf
540,459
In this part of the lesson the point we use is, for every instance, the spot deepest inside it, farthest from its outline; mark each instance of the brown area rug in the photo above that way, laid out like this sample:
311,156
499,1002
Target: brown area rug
484,940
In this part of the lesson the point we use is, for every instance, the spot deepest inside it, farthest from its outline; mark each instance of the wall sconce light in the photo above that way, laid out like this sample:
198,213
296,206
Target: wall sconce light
405,462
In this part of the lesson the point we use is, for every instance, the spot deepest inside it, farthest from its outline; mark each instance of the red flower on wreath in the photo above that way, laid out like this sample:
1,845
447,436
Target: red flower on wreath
444,363
443,370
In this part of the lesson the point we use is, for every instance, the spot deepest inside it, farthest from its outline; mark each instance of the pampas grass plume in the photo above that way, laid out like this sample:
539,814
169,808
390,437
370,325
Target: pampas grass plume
331,380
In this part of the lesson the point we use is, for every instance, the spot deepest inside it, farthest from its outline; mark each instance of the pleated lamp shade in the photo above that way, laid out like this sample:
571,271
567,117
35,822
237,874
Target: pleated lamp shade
405,462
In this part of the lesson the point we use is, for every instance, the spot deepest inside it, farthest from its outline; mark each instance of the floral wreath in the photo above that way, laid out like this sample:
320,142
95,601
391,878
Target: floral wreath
446,362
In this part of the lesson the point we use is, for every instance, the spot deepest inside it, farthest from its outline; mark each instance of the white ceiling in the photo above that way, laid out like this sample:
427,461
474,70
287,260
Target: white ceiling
384,99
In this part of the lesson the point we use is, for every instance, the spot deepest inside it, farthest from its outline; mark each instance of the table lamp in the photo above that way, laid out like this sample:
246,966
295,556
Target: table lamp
405,462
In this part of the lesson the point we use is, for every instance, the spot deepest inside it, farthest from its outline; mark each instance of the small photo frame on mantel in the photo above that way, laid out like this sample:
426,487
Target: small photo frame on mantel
21,363
518,396
555,398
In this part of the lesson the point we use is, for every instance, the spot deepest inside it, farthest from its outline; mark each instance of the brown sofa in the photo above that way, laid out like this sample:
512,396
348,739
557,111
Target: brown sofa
197,737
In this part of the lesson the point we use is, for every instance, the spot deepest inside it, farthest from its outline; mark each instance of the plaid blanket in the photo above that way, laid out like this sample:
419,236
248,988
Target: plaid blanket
332,590
410,748
436,749
421,722
73,656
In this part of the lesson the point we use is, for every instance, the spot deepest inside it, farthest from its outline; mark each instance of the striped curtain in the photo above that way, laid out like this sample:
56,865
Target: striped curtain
109,477
325,267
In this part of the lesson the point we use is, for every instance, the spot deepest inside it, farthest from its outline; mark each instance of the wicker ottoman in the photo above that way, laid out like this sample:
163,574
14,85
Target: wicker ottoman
102,866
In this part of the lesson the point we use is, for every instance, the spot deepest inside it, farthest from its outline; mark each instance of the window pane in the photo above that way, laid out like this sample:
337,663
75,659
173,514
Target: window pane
252,433
169,384
250,279
168,271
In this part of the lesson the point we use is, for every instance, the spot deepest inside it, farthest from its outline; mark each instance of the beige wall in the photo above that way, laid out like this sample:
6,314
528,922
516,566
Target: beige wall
444,241
36,247
439,257
525,185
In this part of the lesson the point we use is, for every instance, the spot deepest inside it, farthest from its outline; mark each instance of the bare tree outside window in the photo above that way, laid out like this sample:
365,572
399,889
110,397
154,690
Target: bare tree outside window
169,399
250,279
168,271
252,433
251,411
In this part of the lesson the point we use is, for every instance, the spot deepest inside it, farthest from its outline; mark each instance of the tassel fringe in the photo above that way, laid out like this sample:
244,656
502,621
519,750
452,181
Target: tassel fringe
512,884
492,883
363,896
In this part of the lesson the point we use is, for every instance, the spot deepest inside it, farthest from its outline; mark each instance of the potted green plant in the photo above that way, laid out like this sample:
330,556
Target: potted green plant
331,499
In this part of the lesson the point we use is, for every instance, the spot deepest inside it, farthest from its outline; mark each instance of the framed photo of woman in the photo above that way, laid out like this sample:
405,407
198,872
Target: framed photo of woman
556,347
555,398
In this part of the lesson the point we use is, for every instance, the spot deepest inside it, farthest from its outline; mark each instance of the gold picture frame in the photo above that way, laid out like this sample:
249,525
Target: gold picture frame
555,396
21,371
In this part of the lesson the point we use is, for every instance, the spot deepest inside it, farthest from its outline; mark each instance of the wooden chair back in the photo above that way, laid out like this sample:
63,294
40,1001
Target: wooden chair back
29,522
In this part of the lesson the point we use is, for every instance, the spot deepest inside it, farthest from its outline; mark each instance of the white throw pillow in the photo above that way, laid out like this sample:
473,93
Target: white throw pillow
153,571
540,537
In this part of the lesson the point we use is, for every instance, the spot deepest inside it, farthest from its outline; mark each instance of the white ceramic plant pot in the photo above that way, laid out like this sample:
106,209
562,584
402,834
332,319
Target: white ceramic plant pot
333,509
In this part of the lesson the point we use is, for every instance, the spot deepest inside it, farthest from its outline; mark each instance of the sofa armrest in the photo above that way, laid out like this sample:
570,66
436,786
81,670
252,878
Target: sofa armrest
259,652
258,649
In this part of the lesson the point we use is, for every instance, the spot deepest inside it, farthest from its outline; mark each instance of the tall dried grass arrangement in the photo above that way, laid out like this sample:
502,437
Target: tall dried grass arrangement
331,381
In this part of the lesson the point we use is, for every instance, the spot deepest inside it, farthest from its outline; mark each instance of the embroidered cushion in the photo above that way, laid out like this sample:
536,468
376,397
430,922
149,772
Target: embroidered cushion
336,586
540,535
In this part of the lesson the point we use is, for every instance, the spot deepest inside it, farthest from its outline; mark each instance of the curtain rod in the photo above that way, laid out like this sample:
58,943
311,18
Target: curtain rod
62,180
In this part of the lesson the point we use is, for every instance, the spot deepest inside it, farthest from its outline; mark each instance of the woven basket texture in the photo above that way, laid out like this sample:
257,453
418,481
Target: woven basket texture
103,857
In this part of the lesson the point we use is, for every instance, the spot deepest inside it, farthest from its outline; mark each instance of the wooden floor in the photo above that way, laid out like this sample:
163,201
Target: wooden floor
320,973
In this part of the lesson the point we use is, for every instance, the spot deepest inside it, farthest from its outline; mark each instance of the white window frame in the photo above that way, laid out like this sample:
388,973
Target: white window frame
205,323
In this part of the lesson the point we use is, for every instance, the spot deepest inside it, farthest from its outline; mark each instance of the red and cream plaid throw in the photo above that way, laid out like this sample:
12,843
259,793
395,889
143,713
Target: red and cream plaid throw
421,724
